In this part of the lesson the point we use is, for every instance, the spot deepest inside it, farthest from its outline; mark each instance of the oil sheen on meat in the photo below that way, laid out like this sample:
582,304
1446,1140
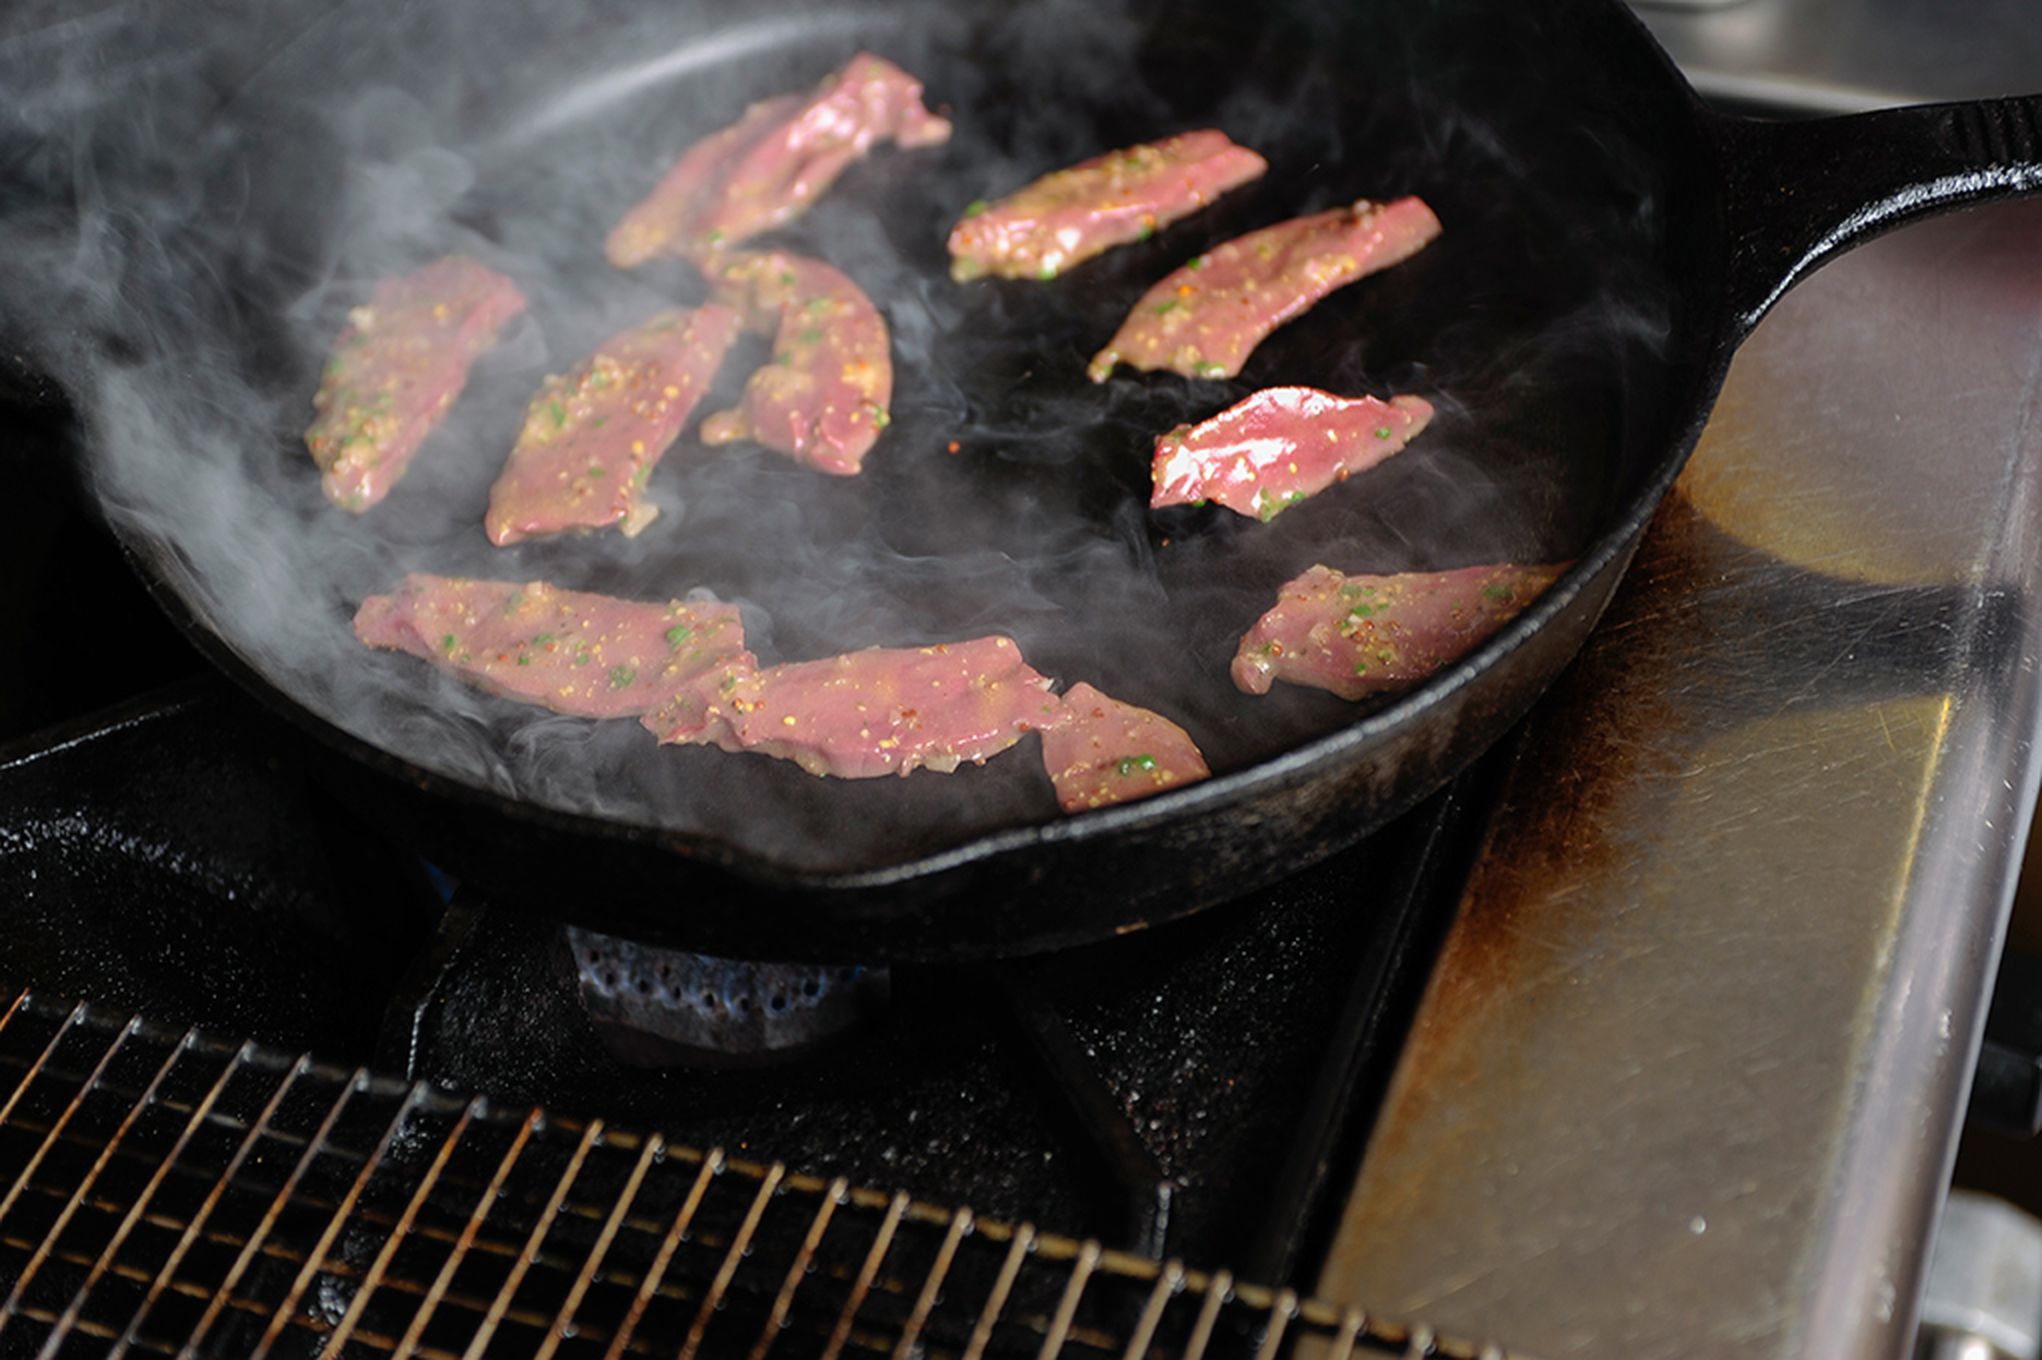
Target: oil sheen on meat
869,713
399,363
822,397
1067,217
1204,319
1361,635
593,435
769,166
591,656
1105,751
1275,448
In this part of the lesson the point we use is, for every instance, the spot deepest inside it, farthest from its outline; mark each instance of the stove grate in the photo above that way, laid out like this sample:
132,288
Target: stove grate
174,1194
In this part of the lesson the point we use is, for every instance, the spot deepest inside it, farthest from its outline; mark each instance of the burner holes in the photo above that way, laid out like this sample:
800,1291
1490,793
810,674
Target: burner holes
810,987
744,1003
846,974
610,981
666,970
777,1003
645,986
708,1001
594,957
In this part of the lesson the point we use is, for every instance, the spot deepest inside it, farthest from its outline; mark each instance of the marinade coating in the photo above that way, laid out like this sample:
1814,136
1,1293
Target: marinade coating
1274,448
769,166
1067,217
592,435
1106,751
1359,635
869,713
1205,318
398,365
822,398
591,656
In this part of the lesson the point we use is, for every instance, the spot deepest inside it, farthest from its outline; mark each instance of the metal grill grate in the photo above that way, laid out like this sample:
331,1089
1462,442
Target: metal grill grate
172,1194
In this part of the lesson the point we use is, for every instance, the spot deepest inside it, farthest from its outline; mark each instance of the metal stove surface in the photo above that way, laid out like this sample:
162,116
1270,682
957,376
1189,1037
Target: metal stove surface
1191,1091
1689,1074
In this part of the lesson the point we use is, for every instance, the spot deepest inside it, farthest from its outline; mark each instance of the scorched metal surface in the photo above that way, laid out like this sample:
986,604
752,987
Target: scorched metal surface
1568,160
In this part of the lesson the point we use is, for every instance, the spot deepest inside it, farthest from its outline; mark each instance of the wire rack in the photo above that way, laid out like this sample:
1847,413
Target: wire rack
173,1194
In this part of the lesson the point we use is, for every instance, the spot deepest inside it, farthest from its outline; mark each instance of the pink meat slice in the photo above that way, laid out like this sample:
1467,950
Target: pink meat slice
1359,635
1204,319
822,398
1109,752
1274,448
1066,218
769,166
864,714
591,656
398,365
593,435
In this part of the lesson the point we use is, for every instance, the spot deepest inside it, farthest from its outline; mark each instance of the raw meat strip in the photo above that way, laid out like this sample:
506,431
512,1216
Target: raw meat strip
767,168
1110,752
1358,635
863,714
1270,450
822,398
1204,319
591,437
592,656
1067,217
398,365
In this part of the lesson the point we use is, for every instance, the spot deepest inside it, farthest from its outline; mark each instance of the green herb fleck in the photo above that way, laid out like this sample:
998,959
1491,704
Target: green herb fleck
559,414
524,658
448,643
818,306
1165,308
514,603
713,237
881,417
1497,592
678,634
543,640
1047,270
787,277
599,422
1361,668
1362,611
596,470
1198,262
975,207
1129,764
1210,370
811,335
583,657
1148,230
1382,432
621,676
729,683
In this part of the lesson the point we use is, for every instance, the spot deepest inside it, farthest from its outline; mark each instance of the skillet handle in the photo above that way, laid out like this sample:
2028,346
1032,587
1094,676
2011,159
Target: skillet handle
1800,193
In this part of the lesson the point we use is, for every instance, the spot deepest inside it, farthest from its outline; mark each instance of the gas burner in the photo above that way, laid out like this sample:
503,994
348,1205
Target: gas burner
666,1007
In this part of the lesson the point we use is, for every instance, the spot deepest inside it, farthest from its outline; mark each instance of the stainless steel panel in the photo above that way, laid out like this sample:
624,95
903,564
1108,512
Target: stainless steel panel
1688,1078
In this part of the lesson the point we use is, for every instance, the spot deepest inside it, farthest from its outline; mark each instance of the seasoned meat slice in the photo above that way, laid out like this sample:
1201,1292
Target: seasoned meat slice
1272,449
398,365
1358,635
1106,751
592,436
822,398
879,711
591,656
1067,217
767,168
1204,319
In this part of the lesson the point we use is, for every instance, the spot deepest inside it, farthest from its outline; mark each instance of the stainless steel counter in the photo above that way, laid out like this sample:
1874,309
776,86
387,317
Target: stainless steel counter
1688,1078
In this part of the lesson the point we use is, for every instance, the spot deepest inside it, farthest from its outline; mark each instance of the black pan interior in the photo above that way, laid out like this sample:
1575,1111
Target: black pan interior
357,141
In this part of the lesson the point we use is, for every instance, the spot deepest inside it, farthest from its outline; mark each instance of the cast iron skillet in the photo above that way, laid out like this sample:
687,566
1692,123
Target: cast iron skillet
1609,243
